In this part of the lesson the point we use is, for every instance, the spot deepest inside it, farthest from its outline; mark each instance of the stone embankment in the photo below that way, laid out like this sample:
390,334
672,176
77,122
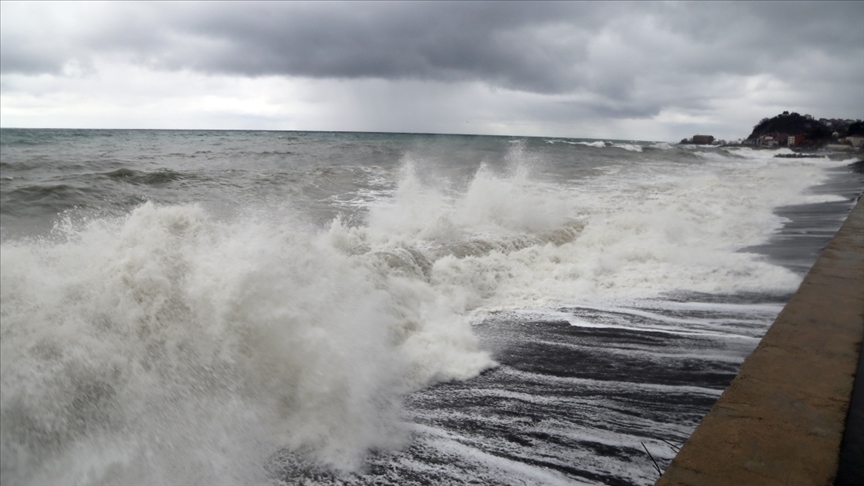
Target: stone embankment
782,418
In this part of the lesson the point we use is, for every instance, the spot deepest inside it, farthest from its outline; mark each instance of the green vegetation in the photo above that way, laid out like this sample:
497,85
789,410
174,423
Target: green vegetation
794,130
792,124
856,128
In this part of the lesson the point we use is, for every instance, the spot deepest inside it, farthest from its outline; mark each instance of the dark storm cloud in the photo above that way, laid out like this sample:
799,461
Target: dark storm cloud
513,45
504,44
615,59
524,46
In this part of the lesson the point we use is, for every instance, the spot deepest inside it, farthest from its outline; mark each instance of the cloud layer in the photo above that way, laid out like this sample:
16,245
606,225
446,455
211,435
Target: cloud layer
538,66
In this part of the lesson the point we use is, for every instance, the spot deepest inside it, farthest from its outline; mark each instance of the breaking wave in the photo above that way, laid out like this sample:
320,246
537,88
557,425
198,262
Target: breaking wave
169,346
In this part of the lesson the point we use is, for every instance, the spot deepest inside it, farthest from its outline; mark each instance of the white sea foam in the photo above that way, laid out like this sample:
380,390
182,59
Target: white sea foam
597,144
171,347
662,146
632,147
171,339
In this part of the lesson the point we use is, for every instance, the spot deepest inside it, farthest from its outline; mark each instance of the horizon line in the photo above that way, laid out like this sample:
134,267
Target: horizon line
336,131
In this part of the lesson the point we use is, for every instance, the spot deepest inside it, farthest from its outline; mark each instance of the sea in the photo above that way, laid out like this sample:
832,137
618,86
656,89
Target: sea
280,308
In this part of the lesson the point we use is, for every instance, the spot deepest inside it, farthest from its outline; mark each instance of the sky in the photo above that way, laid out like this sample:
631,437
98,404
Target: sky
615,70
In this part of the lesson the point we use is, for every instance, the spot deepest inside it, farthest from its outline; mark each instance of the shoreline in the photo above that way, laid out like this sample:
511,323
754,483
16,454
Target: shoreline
782,419
809,227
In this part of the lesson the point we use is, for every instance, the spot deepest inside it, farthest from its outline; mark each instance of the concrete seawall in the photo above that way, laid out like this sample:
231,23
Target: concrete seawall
781,420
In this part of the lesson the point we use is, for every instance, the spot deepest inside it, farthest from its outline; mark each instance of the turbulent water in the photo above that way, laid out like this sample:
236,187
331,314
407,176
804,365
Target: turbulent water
194,307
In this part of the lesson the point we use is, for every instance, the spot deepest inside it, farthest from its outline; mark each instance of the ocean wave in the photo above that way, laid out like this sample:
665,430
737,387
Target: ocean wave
158,177
269,328
662,146
54,198
597,144
172,346
632,147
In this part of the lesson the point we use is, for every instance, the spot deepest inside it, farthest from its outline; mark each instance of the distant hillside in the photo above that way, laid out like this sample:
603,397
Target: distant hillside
792,124
856,128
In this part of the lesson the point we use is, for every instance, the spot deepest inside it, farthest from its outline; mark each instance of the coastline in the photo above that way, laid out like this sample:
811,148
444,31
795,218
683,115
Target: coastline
782,419
582,382
809,227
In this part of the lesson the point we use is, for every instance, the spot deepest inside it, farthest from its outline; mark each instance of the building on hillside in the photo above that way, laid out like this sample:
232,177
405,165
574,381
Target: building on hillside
855,140
774,139
703,139
795,140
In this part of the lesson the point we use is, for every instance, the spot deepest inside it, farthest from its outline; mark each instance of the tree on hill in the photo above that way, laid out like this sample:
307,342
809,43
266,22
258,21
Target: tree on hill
792,124
856,128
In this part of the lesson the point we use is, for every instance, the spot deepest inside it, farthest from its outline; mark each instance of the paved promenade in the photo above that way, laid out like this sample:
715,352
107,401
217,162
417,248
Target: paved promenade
781,420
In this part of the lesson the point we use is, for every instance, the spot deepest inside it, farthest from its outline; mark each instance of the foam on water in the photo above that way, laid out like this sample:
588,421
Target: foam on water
662,146
169,346
632,147
179,340
598,144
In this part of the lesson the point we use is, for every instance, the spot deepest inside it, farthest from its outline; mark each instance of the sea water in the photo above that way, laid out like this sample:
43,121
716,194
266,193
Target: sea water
216,307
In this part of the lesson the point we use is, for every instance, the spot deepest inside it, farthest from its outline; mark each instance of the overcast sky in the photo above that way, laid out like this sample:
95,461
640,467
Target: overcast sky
645,71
